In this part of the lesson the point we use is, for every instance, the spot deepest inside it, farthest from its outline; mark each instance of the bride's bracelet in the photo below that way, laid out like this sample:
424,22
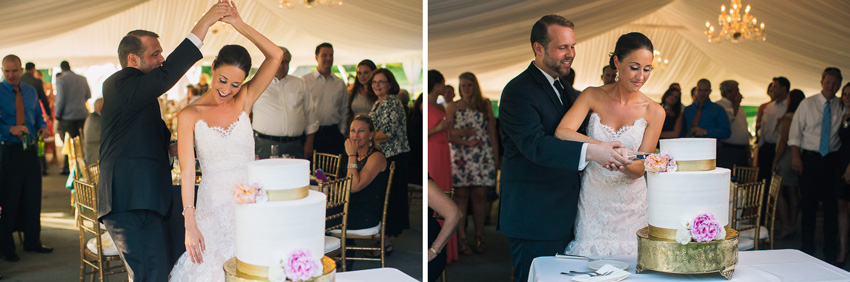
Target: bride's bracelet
187,207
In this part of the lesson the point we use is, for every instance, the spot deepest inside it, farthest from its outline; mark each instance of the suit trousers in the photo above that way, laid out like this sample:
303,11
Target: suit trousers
72,128
141,241
817,184
20,196
767,152
329,140
524,251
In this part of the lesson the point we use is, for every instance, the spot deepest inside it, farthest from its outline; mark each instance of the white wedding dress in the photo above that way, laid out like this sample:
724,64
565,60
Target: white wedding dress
612,206
224,155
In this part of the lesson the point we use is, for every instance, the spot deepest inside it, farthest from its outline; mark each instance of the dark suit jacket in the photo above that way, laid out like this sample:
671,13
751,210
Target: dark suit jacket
134,170
540,179
39,89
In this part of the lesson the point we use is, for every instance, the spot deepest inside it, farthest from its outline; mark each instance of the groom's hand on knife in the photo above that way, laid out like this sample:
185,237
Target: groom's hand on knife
610,155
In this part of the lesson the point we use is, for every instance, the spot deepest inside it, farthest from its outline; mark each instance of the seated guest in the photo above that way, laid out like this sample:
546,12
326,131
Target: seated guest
671,101
367,167
91,130
735,149
704,118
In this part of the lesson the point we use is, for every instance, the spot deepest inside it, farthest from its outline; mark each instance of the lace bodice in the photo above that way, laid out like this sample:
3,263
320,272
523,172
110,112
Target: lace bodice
224,154
612,206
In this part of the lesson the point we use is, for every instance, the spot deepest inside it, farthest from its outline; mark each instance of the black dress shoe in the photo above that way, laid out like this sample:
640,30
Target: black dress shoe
12,258
40,249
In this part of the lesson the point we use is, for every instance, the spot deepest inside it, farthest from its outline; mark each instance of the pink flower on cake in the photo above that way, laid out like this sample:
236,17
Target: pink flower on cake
705,228
246,193
655,163
301,266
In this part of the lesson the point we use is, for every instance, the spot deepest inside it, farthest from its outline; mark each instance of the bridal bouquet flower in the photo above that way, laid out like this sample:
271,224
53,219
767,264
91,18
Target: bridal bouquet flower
249,193
298,266
704,228
661,162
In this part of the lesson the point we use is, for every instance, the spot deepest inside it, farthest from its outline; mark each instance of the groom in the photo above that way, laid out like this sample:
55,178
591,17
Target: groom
540,174
134,190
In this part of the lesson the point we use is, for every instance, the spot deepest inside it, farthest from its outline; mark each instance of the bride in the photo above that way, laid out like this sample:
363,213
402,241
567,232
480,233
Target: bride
612,204
217,126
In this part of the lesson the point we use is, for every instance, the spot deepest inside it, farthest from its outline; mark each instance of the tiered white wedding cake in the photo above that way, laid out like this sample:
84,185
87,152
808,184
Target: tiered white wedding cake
280,222
688,198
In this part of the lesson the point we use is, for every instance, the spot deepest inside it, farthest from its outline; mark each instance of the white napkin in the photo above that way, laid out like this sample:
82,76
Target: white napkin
616,275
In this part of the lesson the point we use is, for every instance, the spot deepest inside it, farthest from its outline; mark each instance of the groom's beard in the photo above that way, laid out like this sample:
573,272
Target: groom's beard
555,64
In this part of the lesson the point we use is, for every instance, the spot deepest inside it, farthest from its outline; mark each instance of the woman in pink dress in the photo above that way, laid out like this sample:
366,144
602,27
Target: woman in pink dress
439,157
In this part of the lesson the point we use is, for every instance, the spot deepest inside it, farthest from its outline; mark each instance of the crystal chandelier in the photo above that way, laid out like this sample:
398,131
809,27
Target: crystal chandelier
734,26
309,3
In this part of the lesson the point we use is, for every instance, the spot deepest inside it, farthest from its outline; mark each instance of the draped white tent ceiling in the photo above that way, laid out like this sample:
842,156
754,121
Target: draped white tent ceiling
87,32
491,39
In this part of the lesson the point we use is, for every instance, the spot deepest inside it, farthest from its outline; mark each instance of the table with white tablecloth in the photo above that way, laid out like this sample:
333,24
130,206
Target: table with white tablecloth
756,266
386,274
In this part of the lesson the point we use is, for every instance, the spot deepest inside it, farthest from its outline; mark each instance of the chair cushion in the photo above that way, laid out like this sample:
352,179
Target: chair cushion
331,244
360,232
763,232
109,248
745,244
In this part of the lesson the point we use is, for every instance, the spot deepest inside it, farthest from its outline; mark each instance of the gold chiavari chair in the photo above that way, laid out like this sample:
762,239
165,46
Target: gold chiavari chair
746,211
745,174
329,164
378,235
93,171
89,226
338,192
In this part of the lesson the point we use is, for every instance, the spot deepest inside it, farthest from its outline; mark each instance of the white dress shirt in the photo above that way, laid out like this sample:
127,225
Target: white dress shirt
805,127
285,109
737,123
582,160
773,113
330,99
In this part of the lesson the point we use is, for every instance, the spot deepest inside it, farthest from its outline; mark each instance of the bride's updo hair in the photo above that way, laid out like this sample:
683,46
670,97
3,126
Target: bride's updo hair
628,43
234,55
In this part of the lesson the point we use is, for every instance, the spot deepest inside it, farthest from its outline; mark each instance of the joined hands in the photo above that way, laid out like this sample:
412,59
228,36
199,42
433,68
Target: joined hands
611,155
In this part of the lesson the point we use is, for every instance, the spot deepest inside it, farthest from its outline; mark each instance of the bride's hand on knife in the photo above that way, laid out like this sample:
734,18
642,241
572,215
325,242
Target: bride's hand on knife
195,246
608,154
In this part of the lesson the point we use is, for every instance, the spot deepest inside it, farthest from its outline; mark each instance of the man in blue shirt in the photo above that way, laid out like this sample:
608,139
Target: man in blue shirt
704,118
20,171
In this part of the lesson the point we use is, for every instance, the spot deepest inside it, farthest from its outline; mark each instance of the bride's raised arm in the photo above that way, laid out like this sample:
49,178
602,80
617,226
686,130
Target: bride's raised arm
568,128
265,73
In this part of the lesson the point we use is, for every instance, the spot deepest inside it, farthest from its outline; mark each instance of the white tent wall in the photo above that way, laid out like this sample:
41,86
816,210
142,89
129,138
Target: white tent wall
491,39
87,32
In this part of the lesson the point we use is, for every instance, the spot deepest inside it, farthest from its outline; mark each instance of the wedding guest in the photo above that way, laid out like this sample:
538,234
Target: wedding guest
814,142
285,116
72,92
203,83
439,155
474,150
760,113
91,130
609,75
20,172
414,139
192,94
438,235
671,101
676,86
360,100
771,120
369,173
789,201
29,77
330,98
404,98
449,96
704,118
734,150
390,121
843,187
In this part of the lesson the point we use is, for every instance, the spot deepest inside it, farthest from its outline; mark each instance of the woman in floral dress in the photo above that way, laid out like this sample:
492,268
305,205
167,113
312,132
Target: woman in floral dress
474,149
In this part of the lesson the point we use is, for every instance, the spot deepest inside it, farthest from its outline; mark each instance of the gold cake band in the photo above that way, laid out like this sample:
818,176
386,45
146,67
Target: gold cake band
288,195
251,271
700,165
663,233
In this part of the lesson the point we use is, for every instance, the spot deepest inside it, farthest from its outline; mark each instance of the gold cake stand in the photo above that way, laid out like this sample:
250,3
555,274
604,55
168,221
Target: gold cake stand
694,258
231,275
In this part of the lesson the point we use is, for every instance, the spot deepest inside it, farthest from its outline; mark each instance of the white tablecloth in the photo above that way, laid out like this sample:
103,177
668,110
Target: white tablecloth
756,266
377,275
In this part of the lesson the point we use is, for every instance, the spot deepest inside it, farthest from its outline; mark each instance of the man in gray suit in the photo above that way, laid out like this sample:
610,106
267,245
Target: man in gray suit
72,92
